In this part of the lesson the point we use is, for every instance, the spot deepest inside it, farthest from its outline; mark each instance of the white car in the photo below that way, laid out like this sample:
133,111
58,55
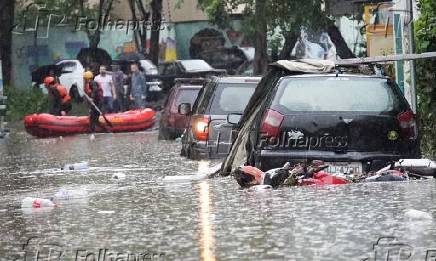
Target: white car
72,73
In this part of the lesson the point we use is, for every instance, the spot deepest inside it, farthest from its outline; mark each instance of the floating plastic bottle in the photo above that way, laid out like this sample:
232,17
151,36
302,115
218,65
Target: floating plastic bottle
66,194
76,166
29,202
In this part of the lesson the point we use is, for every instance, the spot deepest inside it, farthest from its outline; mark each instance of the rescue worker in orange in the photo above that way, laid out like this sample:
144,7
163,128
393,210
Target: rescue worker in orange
59,100
95,94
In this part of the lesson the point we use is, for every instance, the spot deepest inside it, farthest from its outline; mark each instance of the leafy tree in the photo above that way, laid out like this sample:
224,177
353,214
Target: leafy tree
288,16
425,32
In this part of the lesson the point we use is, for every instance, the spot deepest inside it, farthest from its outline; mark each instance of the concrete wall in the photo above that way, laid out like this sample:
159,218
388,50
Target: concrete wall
64,43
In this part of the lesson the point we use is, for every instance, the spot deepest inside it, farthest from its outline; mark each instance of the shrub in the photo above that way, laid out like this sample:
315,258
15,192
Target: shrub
25,101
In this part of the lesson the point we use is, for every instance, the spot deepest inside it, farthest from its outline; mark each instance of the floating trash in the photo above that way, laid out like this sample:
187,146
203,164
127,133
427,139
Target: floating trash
417,215
119,176
29,202
76,166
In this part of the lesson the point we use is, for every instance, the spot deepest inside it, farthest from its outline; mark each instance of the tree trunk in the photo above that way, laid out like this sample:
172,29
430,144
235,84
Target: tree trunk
342,48
156,19
260,56
291,39
137,33
6,24
146,17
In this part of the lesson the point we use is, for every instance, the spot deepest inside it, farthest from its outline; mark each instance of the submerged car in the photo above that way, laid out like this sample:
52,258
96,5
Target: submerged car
208,134
169,71
172,123
306,111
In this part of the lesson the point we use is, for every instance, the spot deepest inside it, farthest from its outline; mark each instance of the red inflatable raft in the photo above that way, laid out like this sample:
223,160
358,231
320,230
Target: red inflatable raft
47,125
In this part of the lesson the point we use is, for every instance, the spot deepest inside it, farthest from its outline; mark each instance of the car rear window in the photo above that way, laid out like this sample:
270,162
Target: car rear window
337,94
185,96
231,98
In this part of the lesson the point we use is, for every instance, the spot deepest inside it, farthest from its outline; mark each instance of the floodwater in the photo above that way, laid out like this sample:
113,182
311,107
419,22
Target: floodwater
141,217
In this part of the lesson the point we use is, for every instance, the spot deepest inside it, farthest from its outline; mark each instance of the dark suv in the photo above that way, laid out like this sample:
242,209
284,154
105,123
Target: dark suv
208,134
172,123
169,71
354,122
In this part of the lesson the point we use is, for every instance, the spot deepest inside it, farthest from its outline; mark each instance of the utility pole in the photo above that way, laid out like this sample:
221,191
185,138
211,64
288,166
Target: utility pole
411,48
404,44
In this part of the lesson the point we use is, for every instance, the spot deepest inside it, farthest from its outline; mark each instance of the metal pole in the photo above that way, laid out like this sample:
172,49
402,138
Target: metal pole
410,28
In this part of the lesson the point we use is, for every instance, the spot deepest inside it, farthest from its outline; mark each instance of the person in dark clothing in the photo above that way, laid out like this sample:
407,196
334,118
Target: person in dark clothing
59,100
120,104
95,94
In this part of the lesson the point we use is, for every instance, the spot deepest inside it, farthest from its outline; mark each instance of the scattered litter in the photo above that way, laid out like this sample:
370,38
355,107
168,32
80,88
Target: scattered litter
76,166
388,175
424,167
29,202
417,215
119,176
179,140
260,188
92,137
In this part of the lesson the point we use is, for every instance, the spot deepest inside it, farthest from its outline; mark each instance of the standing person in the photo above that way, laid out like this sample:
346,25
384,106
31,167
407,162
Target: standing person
118,82
95,93
137,87
59,100
106,84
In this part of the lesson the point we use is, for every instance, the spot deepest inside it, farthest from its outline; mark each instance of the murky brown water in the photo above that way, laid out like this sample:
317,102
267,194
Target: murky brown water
143,217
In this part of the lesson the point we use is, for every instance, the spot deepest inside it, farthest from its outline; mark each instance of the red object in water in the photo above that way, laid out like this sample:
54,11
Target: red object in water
47,125
323,178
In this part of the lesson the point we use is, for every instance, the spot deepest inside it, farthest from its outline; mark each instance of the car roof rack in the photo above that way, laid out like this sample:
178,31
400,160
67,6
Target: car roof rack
367,65
191,80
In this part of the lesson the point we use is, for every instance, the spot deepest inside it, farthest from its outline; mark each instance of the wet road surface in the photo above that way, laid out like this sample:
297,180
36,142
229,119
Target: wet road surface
145,218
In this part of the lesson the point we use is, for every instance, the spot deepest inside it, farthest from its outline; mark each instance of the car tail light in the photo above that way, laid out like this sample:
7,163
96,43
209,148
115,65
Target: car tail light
408,128
271,123
200,127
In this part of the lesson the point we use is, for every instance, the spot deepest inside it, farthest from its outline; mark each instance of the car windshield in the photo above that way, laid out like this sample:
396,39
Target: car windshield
231,98
195,65
337,94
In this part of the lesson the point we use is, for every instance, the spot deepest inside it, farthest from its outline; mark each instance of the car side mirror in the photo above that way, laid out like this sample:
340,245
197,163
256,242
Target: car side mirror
184,108
234,118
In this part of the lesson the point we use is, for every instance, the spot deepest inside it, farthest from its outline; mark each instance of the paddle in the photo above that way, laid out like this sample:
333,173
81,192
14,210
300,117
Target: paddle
97,109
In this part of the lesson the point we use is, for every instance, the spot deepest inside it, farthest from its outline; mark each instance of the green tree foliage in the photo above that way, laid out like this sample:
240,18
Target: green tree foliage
425,31
22,102
288,16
